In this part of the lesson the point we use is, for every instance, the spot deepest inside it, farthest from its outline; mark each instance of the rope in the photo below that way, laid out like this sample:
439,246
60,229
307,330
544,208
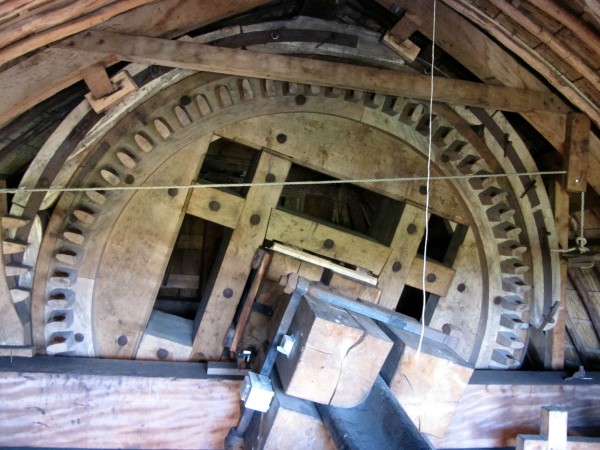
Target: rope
24,190
427,183
581,241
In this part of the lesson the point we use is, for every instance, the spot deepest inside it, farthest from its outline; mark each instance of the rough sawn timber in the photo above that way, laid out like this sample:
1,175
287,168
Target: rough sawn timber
189,55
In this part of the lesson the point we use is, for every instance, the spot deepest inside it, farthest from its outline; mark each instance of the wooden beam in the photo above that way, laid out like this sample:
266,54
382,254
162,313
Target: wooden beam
75,403
51,70
397,37
221,298
462,39
577,142
405,244
326,240
195,56
217,206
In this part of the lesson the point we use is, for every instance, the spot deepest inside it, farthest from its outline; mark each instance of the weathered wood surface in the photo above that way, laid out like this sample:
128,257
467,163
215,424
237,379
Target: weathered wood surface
188,55
499,406
217,206
81,410
404,248
221,298
577,143
326,240
129,277
340,153
428,384
50,70
337,355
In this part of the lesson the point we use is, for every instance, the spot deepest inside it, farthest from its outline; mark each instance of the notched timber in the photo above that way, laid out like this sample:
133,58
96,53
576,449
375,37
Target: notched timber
188,55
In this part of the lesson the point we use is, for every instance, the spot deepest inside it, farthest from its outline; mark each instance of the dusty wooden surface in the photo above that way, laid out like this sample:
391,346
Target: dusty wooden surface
115,411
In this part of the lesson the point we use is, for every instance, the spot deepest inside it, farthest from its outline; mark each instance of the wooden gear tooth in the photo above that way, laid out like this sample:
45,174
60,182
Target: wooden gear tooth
513,266
511,248
506,230
19,295
492,196
513,322
504,358
514,303
14,222
110,176
162,128
500,213
515,285
143,142
510,340
14,269
13,246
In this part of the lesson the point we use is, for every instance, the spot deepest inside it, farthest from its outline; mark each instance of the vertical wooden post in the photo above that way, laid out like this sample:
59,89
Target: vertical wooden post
554,355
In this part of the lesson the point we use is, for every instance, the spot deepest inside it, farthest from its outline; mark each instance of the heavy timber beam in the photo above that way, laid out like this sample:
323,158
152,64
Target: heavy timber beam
461,39
227,282
189,55
49,71
378,422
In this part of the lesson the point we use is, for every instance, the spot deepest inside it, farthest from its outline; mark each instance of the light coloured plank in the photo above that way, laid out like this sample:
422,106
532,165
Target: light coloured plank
78,411
189,55
326,240
217,206
222,296
123,86
403,252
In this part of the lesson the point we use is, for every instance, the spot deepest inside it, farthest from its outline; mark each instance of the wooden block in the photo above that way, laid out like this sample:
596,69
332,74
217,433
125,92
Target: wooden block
327,241
336,358
428,386
217,206
406,49
291,423
97,81
577,141
167,337
554,427
282,265
124,86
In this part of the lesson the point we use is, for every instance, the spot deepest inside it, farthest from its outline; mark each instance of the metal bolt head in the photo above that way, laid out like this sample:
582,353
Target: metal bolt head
270,178
423,190
228,293
281,138
431,277
173,192
300,99
397,266
185,100
461,287
214,205
254,219
122,340
79,337
328,244
161,353
411,229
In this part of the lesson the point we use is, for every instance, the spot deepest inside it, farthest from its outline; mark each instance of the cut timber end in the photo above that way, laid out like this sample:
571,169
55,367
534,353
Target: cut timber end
125,86
337,355
415,380
13,222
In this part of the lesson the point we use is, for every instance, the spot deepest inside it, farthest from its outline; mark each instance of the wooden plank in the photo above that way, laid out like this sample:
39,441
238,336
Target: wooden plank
496,407
429,403
194,56
97,81
129,276
586,299
37,40
215,205
405,244
78,410
221,298
577,141
326,240
354,289
336,356
123,86
397,37
51,70
554,357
